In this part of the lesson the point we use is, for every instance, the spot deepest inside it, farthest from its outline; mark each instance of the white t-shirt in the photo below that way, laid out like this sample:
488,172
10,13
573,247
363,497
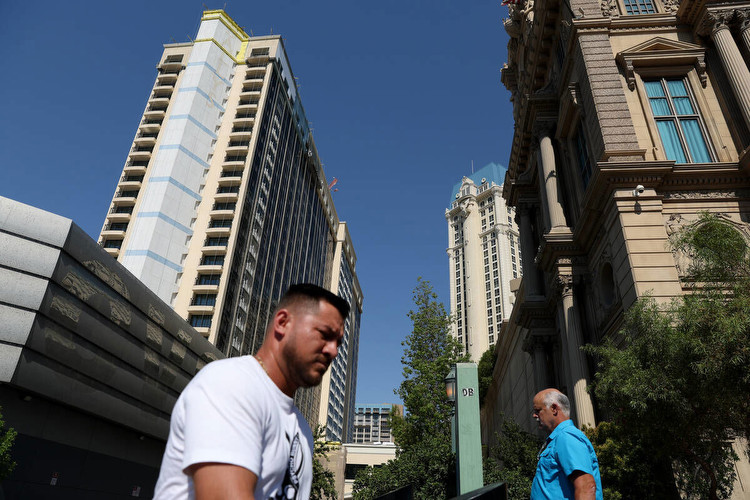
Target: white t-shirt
232,413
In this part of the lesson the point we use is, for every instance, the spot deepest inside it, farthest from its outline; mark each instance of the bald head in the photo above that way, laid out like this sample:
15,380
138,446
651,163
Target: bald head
551,407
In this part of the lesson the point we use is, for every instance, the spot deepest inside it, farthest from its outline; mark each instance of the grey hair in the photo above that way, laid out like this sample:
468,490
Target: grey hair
556,397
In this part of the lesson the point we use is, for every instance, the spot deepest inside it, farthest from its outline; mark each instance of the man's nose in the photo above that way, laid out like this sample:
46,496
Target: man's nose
331,349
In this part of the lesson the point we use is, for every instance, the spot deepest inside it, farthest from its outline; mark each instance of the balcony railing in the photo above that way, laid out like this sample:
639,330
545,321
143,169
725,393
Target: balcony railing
231,173
116,226
235,158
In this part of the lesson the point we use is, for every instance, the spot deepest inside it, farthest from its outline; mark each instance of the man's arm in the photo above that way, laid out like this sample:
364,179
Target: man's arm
217,481
584,485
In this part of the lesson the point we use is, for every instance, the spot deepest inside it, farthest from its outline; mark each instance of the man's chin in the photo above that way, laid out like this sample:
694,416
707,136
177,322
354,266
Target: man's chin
313,379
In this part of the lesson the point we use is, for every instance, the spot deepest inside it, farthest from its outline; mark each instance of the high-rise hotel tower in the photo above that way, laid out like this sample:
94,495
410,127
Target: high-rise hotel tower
485,255
223,202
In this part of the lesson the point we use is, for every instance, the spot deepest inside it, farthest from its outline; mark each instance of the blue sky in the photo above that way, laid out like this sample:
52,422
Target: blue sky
402,96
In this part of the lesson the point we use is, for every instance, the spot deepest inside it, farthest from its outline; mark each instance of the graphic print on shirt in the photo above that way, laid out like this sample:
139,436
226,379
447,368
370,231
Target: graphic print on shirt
290,486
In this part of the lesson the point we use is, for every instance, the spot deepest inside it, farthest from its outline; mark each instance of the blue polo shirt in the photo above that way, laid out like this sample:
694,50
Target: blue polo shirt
567,450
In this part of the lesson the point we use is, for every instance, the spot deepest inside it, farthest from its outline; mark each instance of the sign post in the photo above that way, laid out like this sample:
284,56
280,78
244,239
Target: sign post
462,384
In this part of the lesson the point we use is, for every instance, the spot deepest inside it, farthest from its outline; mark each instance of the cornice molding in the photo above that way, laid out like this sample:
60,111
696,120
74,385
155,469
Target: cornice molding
660,52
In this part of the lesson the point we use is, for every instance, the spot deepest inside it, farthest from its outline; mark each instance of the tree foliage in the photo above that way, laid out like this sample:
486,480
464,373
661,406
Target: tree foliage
7,437
513,460
323,481
485,368
424,457
627,467
679,383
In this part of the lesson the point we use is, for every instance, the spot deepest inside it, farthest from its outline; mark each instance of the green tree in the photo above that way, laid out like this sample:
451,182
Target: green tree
513,460
424,458
676,379
628,470
7,437
324,481
484,372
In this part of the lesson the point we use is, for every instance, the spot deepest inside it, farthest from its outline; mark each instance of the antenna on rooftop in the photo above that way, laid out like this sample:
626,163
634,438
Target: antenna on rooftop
472,166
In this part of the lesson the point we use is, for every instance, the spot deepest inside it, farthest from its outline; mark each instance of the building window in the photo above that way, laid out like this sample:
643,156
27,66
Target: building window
582,155
209,279
112,243
212,260
118,226
217,241
634,7
680,126
220,223
201,321
204,299
224,206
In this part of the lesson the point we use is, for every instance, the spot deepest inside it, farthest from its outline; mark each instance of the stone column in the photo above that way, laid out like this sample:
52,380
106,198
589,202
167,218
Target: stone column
716,23
577,370
548,176
743,16
530,274
536,345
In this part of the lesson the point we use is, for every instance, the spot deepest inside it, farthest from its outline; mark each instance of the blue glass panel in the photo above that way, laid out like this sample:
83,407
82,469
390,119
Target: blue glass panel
677,88
654,89
671,141
695,141
683,106
659,106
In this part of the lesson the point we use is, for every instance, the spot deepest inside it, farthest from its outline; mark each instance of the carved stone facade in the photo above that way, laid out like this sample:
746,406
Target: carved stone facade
631,118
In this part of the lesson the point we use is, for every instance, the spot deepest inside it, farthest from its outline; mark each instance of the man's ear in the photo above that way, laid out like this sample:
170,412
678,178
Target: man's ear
554,408
281,322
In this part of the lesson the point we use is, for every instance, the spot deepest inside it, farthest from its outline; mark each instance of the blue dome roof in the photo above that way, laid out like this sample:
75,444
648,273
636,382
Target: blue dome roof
492,172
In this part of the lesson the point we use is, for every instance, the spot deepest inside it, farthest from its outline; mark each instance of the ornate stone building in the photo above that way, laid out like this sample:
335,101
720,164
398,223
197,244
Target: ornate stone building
631,117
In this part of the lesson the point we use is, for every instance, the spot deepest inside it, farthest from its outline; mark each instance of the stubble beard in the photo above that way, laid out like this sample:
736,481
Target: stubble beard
305,373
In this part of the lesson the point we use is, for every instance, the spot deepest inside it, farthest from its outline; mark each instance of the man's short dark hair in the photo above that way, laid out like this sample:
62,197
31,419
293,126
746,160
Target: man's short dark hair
307,292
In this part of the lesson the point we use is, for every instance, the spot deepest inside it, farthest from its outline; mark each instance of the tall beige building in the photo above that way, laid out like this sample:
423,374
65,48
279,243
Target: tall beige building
631,117
223,202
485,255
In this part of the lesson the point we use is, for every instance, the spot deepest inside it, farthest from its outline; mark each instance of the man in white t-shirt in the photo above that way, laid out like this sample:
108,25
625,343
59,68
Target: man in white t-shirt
235,432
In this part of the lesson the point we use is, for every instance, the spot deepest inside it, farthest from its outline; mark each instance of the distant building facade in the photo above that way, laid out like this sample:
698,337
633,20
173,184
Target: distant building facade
371,423
630,119
484,256
223,202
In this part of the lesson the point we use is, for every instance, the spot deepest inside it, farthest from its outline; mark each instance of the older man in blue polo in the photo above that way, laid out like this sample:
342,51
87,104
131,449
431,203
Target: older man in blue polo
567,466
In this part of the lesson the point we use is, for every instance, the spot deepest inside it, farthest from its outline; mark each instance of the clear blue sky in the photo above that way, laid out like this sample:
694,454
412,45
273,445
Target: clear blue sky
402,96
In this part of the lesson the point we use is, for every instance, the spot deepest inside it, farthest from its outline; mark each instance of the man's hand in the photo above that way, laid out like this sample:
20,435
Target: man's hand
584,485
217,481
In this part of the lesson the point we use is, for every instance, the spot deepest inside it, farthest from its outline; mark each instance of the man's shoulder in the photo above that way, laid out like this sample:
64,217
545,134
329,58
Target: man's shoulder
570,432
214,368
217,373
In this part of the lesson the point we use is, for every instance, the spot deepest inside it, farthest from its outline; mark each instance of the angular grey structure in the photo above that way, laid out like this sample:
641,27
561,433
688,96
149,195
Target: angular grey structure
91,362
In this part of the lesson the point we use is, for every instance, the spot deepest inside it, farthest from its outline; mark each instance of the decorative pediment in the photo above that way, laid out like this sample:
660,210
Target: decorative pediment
662,52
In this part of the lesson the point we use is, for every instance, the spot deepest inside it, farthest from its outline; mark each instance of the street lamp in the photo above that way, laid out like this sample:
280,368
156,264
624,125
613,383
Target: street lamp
450,386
